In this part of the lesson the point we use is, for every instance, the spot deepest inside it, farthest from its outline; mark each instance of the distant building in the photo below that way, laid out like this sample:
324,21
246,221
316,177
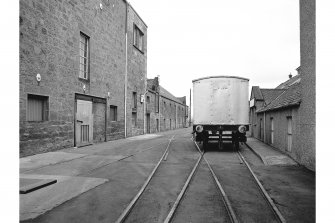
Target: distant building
164,111
284,117
81,62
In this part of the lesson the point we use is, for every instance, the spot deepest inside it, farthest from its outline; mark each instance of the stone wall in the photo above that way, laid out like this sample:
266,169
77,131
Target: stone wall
280,129
137,73
49,45
307,66
151,109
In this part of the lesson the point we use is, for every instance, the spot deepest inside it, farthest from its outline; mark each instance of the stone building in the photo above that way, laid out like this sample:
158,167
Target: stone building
274,115
284,117
81,62
163,110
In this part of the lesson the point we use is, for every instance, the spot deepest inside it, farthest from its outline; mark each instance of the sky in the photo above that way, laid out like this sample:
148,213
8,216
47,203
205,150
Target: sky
189,39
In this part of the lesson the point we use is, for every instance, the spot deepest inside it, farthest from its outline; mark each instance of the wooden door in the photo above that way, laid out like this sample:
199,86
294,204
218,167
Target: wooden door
261,129
84,123
289,134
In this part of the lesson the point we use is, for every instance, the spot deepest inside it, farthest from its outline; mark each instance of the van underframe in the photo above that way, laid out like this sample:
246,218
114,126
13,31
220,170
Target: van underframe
220,133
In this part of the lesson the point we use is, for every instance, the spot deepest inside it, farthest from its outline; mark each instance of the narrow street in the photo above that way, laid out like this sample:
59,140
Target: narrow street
117,170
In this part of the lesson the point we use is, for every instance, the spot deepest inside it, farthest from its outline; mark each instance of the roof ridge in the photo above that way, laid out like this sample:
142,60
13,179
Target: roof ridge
271,89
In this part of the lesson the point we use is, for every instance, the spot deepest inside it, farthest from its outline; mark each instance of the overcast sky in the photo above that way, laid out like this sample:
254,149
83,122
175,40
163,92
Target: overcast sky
189,39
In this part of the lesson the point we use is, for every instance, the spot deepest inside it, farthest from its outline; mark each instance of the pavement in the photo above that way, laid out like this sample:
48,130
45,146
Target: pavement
67,167
268,154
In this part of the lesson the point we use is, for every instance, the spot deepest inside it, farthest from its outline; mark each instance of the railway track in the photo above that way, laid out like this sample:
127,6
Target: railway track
228,205
127,211
233,213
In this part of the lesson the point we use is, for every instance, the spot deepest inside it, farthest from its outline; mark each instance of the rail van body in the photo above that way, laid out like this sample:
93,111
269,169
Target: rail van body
221,109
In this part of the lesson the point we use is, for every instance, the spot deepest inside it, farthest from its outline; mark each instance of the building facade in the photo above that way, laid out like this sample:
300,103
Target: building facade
285,117
274,116
163,110
80,64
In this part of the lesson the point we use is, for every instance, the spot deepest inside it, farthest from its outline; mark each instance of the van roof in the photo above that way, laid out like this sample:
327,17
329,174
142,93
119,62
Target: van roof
202,78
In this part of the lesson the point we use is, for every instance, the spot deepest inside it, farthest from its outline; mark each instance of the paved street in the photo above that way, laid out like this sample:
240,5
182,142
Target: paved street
97,183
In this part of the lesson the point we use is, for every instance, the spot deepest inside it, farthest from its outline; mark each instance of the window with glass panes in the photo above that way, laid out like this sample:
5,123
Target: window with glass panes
83,55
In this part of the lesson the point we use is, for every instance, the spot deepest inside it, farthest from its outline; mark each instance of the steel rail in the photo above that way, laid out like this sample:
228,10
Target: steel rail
182,192
227,203
130,206
274,208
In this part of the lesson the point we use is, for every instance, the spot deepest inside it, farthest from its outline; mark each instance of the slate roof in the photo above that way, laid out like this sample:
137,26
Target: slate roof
289,82
270,94
289,97
165,93
168,95
257,93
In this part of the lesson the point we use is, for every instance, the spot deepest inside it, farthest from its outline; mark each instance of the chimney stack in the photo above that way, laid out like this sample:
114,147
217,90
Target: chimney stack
290,75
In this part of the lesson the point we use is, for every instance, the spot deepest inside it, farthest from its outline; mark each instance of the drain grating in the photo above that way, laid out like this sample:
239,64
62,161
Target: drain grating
29,185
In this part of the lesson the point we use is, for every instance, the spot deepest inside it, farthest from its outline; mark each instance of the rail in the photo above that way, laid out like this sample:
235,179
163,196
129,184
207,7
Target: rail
130,206
274,208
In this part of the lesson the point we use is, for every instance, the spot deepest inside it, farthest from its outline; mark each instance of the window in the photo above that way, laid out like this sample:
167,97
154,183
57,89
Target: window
113,113
134,119
148,99
37,108
138,38
272,130
83,55
134,101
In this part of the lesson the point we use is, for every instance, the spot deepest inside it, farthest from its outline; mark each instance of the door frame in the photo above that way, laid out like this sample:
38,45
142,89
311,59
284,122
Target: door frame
94,99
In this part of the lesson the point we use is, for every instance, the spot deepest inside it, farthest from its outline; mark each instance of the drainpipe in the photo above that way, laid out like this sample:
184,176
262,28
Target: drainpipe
264,128
159,112
144,109
126,73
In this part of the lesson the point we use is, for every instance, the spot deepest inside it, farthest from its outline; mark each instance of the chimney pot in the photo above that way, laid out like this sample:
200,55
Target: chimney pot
290,75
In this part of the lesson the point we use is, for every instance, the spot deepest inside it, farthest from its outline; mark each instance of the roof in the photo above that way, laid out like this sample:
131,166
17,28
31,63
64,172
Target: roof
220,77
270,94
255,90
288,98
289,82
168,95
